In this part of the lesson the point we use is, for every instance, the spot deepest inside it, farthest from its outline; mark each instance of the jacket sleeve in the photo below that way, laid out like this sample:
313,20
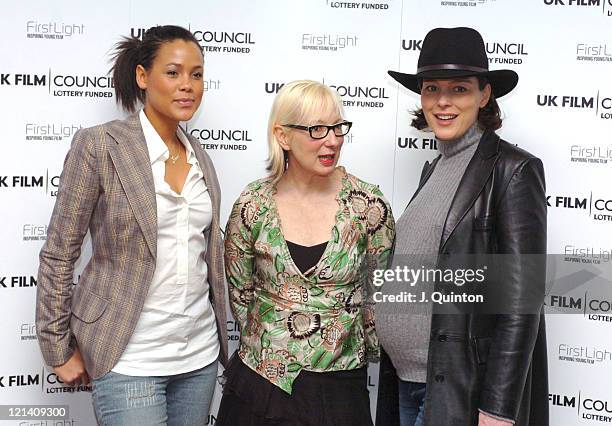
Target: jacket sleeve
239,260
76,198
520,233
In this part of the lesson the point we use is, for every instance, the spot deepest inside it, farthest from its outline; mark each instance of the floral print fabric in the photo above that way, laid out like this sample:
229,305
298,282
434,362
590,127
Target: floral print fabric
319,321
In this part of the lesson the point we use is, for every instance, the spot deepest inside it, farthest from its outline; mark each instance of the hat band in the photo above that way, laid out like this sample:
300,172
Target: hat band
451,67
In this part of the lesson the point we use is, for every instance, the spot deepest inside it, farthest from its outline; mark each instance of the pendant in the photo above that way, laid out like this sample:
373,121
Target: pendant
173,158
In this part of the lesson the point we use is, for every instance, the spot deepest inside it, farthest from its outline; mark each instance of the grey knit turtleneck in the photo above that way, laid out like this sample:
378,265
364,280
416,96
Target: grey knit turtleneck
404,328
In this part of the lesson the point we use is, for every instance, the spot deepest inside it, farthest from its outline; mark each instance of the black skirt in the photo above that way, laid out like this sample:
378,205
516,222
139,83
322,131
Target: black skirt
336,398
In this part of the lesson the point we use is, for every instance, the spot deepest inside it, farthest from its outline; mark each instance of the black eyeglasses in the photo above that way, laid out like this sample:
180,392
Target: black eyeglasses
319,131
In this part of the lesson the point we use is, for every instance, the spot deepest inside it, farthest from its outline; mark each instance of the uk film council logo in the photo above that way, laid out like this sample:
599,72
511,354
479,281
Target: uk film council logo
585,405
48,182
352,94
20,379
18,281
580,285
52,384
363,96
227,139
227,42
604,6
62,84
598,103
233,331
215,41
505,52
597,208
412,45
427,144
50,30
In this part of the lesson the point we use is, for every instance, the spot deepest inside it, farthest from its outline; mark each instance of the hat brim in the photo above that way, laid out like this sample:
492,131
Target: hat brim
502,81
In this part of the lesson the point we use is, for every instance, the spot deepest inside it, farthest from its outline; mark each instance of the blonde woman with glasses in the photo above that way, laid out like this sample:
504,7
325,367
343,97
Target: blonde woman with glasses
301,246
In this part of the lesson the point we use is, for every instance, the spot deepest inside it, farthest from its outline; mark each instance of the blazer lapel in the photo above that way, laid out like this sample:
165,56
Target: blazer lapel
428,168
474,179
130,157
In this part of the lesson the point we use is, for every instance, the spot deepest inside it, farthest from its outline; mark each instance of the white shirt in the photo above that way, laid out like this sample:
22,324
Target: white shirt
176,332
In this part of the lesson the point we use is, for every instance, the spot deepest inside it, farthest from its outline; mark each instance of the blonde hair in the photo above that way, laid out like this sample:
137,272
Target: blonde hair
295,103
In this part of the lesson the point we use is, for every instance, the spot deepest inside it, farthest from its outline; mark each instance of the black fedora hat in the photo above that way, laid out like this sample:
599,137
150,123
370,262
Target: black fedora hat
456,52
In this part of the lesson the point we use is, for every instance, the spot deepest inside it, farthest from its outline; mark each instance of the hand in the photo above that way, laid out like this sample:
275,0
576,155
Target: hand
485,420
73,372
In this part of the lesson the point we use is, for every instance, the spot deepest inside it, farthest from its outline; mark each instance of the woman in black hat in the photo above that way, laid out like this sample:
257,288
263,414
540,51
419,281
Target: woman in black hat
483,364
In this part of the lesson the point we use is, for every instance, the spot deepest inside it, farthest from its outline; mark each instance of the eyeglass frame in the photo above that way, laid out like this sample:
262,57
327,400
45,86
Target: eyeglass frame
329,127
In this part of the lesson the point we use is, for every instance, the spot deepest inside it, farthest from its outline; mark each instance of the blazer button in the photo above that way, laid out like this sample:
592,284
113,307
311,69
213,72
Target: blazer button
439,378
442,338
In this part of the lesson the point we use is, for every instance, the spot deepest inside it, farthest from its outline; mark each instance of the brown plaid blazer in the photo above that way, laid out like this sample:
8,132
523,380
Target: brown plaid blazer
107,187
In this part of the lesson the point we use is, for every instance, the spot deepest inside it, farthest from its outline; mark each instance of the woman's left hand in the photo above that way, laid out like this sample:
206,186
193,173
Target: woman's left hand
485,420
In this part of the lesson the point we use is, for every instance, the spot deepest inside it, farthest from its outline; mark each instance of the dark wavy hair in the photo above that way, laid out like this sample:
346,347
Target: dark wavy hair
131,51
489,116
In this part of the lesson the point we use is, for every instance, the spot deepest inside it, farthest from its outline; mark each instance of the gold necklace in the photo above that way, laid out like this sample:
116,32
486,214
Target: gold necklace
174,158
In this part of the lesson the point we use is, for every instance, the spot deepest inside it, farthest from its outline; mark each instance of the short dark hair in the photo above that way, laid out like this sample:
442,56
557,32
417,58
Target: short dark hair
131,51
489,116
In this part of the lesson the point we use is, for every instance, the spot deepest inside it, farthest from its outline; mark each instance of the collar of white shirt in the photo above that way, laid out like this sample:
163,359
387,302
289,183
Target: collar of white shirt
158,151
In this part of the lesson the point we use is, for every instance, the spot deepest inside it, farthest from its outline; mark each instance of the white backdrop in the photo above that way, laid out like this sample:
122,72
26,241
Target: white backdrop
53,81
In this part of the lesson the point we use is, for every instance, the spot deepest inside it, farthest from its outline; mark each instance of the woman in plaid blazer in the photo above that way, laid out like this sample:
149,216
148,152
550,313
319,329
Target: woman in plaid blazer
147,320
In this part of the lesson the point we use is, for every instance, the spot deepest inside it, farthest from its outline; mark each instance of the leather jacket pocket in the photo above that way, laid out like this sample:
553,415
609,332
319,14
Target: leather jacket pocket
482,346
484,223
88,306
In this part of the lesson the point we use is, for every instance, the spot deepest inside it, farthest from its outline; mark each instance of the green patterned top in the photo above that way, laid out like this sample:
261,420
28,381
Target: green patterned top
319,321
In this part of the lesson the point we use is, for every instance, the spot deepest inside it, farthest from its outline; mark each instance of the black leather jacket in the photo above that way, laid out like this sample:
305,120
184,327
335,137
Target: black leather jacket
493,362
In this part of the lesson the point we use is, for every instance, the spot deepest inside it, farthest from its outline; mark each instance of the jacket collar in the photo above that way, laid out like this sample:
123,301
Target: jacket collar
476,175
488,145
130,157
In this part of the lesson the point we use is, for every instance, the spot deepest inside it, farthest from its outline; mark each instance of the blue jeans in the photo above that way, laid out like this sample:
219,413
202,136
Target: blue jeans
411,402
182,399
